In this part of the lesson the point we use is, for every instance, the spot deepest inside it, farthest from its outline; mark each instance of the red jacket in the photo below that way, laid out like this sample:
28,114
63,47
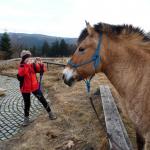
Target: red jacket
28,71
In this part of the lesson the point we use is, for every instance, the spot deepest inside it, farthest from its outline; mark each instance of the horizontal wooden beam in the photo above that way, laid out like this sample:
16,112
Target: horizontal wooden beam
54,63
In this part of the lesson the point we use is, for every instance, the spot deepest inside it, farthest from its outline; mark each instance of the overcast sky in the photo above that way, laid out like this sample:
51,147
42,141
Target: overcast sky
66,18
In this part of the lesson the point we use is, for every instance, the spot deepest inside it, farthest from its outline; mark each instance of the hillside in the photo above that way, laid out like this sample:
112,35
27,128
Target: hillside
30,40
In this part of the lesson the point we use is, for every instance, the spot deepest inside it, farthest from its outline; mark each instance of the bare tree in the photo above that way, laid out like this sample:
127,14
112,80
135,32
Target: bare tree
16,47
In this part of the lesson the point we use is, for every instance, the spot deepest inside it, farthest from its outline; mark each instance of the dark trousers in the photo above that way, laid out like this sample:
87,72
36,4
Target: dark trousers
27,103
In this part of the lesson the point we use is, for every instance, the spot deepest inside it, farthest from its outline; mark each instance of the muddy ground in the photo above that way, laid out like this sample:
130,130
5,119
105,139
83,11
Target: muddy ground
76,127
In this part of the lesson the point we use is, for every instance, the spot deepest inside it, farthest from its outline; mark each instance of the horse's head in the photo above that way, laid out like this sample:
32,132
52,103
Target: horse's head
85,62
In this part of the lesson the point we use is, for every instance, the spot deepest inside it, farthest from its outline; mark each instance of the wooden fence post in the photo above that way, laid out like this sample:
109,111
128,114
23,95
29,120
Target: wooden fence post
117,134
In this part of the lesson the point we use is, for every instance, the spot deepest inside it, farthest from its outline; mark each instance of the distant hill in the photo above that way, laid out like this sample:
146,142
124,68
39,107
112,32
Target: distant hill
148,34
30,40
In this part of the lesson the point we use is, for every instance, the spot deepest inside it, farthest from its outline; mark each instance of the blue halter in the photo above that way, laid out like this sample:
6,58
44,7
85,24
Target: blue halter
95,58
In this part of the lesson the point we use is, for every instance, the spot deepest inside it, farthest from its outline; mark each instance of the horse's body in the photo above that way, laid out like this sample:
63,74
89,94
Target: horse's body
125,59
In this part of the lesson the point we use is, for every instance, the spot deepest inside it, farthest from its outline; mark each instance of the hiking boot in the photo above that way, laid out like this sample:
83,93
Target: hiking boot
52,116
26,121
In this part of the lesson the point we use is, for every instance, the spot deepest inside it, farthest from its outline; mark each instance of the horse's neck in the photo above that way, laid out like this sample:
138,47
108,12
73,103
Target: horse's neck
125,69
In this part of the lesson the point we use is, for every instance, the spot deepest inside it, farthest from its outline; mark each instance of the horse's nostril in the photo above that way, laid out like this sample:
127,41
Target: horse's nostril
71,79
69,82
63,76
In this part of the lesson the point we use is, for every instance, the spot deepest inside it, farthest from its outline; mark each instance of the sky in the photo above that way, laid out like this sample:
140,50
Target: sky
66,18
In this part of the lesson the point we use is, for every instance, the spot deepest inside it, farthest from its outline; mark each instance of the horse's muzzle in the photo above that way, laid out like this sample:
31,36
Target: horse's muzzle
68,82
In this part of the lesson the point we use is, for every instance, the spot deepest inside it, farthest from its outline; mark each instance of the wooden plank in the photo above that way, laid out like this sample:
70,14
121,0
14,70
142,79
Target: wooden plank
118,137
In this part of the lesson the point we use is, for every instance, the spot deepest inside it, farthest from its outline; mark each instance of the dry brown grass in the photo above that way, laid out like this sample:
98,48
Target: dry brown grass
9,68
76,119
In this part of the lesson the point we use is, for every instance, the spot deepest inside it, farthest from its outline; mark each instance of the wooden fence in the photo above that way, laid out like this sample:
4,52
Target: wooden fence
117,134
54,63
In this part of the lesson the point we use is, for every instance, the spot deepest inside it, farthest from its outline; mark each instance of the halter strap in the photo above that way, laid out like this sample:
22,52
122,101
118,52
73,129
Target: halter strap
95,58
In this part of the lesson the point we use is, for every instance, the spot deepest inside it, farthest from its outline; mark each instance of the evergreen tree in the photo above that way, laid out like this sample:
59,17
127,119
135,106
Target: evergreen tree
54,50
5,44
33,51
71,49
45,49
63,51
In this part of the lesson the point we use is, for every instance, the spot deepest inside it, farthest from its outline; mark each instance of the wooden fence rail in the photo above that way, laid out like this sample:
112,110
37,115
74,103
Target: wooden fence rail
54,63
117,134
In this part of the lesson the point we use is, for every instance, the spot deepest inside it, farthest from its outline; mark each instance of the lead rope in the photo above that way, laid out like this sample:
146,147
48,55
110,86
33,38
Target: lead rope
40,82
88,88
41,76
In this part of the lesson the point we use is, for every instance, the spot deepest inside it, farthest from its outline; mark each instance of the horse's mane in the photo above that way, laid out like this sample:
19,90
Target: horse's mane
115,30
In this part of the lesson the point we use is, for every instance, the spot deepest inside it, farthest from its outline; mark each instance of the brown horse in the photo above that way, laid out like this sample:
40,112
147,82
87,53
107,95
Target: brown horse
123,54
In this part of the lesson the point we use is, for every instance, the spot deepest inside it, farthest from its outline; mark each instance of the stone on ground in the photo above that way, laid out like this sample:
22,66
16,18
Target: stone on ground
2,91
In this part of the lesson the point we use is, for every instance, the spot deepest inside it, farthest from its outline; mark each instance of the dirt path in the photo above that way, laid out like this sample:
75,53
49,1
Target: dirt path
76,127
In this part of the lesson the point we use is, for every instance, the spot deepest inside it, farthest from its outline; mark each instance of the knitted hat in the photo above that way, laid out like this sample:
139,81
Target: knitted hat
25,52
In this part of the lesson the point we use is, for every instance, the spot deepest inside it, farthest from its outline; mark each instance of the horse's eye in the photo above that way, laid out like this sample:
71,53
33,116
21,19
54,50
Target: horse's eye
81,49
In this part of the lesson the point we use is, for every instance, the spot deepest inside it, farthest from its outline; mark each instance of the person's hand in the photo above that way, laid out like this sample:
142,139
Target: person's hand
38,60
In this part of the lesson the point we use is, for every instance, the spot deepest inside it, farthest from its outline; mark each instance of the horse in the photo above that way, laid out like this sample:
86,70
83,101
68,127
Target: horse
122,52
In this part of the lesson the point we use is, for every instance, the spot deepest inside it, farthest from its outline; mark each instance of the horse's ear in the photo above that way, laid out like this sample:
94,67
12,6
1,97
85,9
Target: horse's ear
89,28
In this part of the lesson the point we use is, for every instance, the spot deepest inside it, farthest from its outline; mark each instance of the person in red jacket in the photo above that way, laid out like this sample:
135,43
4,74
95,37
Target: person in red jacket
29,84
